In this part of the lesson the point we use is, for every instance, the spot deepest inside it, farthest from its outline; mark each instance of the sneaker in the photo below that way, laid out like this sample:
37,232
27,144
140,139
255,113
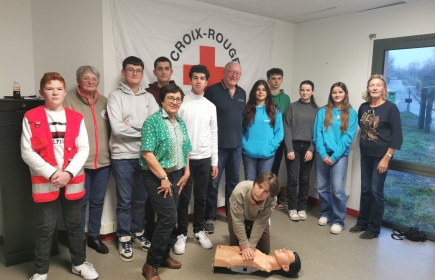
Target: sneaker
37,276
279,206
124,246
293,215
336,229
202,239
302,215
140,240
180,245
323,221
209,226
356,228
86,271
367,235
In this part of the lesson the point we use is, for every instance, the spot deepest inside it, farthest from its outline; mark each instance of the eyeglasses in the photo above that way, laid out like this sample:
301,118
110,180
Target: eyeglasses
92,80
232,72
130,70
174,100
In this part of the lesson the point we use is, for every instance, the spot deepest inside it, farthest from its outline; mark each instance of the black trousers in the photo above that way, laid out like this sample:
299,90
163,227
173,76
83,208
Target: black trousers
46,219
198,181
298,172
166,210
277,162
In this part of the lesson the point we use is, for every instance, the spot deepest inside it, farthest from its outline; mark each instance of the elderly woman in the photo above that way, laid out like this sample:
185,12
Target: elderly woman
165,170
381,136
87,100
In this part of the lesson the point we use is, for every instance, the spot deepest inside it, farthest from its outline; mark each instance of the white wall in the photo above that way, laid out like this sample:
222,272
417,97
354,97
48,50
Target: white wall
16,53
339,49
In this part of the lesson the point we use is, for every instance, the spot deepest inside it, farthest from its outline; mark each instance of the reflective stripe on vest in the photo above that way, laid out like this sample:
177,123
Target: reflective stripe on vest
42,188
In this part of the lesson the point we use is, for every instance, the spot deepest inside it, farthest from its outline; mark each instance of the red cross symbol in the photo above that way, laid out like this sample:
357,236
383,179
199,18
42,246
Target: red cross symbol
206,58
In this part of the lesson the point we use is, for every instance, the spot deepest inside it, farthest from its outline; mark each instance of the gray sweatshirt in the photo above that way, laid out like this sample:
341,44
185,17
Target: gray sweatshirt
124,105
298,124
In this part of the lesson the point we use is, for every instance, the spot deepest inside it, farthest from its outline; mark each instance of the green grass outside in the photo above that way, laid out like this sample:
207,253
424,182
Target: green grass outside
410,198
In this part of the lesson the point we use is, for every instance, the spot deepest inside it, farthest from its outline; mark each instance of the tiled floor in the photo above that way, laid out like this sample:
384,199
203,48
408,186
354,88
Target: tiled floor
323,255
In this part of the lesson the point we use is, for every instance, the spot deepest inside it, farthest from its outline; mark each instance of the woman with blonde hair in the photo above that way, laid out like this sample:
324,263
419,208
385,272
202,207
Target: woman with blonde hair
381,136
334,129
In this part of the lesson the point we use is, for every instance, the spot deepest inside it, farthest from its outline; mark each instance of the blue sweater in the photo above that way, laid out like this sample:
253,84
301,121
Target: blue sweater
260,140
332,140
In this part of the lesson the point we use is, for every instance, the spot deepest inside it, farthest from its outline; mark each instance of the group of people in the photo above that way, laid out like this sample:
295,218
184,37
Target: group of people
162,145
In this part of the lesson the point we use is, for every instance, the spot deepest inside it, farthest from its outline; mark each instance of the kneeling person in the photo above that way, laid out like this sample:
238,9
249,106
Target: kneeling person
251,206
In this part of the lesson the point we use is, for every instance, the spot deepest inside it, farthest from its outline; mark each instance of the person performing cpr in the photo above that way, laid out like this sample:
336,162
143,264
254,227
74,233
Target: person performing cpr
251,205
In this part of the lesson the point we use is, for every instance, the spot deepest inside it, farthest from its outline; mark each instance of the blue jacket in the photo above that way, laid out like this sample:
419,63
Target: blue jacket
332,140
260,140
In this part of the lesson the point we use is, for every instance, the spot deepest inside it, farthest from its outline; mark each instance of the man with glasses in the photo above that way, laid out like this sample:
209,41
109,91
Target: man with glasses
128,107
230,100
163,72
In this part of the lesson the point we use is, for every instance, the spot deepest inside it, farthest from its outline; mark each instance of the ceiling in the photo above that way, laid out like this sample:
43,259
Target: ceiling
298,11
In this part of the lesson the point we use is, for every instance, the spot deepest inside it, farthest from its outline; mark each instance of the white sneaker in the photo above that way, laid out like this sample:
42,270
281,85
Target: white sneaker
202,239
293,215
180,245
336,229
124,246
323,221
140,240
37,276
302,215
86,271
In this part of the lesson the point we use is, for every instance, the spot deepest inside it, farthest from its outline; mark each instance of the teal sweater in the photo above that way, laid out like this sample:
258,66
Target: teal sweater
332,140
260,140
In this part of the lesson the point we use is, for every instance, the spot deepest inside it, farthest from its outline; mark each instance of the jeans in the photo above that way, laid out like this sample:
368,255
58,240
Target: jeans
277,163
331,190
256,166
131,196
166,210
228,159
371,209
198,181
298,171
95,185
46,219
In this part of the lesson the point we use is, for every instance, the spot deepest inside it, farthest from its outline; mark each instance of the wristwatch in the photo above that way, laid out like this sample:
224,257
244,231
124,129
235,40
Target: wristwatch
163,179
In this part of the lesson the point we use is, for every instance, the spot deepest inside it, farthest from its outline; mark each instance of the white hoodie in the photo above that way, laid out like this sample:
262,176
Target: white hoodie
124,105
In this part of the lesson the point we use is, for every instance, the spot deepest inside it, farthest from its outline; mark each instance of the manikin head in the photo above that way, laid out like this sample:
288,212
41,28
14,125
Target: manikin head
289,261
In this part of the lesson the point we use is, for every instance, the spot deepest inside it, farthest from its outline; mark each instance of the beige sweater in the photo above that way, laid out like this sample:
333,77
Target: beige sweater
242,208
97,125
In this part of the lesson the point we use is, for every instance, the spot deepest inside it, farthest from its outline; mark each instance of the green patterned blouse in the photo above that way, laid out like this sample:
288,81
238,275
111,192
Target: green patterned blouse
168,141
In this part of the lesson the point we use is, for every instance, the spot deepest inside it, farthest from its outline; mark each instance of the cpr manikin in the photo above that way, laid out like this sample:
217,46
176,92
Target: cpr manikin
284,261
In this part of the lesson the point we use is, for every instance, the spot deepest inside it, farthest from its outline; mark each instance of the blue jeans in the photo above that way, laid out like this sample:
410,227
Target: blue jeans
228,159
371,209
95,185
331,190
131,196
256,166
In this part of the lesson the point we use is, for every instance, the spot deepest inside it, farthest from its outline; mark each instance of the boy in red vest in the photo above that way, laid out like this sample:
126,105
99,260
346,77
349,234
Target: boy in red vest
54,144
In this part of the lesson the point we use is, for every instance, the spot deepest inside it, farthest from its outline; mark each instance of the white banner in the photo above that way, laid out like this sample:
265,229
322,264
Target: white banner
190,35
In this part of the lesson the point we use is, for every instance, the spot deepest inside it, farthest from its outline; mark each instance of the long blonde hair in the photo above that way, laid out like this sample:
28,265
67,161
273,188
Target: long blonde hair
345,108
366,94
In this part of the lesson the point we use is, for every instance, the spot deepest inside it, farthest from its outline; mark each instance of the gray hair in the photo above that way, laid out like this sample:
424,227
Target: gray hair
86,68
366,94
233,62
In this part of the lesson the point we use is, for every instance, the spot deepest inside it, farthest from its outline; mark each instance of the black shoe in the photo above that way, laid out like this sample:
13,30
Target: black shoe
95,243
367,235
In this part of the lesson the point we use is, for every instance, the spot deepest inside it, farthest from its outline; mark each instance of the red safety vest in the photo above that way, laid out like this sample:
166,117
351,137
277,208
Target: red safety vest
42,142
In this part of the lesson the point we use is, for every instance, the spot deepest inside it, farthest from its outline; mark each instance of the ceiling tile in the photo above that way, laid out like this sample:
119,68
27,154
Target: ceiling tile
263,3
300,7
369,5
317,16
239,6
341,3
271,14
